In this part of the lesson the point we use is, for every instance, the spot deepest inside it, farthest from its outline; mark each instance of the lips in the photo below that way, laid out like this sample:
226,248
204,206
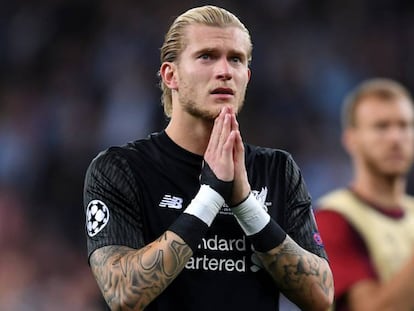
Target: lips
223,90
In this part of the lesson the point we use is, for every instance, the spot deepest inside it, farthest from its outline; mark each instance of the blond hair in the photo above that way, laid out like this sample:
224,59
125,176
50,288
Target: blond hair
174,42
381,88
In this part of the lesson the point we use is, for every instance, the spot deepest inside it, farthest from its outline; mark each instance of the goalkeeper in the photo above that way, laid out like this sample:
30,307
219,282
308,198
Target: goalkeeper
193,218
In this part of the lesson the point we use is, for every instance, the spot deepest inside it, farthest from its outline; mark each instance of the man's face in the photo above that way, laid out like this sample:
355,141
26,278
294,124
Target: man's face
212,70
384,135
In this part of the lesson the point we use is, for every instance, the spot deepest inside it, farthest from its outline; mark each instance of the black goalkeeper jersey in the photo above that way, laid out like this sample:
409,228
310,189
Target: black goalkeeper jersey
135,192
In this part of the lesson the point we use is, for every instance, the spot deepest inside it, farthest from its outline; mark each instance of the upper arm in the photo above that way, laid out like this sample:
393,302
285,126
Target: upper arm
394,294
371,295
133,278
360,295
111,203
300,220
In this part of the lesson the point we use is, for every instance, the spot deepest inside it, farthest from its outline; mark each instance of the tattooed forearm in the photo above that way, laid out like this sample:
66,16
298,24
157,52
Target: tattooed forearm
298,273
131,279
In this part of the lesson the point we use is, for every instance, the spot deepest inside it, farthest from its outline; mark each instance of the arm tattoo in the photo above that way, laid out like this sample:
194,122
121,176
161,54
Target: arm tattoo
130,279
294,268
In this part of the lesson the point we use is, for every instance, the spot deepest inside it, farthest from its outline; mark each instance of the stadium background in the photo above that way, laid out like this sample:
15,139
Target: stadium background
78,76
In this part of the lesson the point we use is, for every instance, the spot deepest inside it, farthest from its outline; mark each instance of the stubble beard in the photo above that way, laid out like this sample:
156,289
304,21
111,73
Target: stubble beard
379,170
192,109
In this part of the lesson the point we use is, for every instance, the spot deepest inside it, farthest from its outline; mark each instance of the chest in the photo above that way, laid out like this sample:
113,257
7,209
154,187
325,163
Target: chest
166,188
390,241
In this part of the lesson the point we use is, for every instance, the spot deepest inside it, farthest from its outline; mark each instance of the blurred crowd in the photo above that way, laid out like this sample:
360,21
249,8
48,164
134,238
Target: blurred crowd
79,76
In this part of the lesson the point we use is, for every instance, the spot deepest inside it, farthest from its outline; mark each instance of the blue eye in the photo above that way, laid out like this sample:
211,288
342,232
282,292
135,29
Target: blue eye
204,56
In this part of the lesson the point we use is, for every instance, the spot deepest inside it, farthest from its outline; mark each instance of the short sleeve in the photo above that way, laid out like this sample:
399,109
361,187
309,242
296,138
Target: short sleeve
301,224
111,203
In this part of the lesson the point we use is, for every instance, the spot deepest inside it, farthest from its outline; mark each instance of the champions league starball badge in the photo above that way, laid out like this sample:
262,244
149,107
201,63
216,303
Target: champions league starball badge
97,217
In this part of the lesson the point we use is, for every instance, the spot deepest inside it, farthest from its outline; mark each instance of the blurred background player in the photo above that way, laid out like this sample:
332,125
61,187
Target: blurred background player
368,227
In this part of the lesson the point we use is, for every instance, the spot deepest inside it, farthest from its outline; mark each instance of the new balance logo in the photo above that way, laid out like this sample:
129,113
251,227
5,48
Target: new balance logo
171,201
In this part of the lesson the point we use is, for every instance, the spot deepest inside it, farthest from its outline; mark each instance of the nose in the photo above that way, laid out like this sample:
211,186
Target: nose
398,133
223,70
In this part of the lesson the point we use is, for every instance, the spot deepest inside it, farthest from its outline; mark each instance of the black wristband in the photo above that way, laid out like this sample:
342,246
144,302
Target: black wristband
224,188
190,228
271,236
241,202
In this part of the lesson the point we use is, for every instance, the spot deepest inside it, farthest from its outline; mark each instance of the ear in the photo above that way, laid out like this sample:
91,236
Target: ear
249,74
348,140
168,75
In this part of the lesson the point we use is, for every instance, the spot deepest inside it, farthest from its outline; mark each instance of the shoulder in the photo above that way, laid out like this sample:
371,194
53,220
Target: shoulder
259,151
273,163
338,197
329,220
108,158
121,155
337,233
409,202
334,195
268,156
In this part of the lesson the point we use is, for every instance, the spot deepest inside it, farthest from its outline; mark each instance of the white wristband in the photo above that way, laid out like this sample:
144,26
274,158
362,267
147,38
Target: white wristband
251,215
205,205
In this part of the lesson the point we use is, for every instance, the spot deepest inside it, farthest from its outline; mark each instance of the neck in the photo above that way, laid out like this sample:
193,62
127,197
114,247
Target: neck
383,190
190,134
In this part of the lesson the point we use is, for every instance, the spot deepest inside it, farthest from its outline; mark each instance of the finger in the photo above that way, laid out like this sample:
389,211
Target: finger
238,149
228,147
225,132
241,187
216,132
234,123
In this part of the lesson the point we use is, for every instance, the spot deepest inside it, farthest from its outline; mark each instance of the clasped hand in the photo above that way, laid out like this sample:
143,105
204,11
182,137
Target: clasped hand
225,156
